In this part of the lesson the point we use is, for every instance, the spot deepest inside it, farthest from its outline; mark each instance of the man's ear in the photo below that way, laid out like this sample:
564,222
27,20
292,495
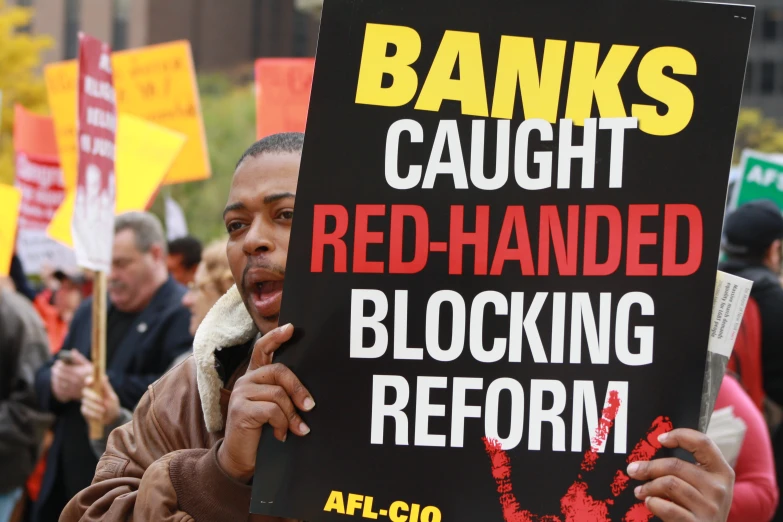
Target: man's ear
773,254
156,251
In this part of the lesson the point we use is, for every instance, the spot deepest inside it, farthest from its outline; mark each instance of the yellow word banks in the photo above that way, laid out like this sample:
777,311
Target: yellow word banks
517,67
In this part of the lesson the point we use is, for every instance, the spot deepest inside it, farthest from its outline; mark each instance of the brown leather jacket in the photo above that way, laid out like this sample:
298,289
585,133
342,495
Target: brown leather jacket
163,466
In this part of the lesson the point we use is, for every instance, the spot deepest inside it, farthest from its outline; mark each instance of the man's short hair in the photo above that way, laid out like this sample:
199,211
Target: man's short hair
189,248
146,227
282,143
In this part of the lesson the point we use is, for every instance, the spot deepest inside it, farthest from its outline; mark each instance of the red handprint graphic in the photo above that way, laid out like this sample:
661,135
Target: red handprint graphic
577,505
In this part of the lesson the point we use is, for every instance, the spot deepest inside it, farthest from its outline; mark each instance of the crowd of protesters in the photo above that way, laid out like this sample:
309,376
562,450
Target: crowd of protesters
193,455
45,338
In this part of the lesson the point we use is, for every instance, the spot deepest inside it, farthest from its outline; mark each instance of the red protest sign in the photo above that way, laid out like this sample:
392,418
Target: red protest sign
34,135
39,178
282,94
93,218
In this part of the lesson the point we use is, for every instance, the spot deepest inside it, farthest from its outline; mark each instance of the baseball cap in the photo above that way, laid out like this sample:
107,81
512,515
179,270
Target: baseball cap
752,228
73,275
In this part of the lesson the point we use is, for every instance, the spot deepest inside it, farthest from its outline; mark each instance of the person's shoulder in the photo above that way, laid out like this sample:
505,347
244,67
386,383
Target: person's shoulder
84,310
172,293
182,368
729,390
17,306
176,403
769,298
179,379
10,318
775,290
731,393
18,301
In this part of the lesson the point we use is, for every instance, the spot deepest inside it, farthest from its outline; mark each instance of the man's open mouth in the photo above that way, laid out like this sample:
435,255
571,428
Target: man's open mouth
266,297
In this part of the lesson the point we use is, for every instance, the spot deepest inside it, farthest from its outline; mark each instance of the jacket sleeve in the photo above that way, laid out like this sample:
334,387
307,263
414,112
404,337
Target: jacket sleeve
43,389
174,340
21,424
771,338
43,378
755,487
149,473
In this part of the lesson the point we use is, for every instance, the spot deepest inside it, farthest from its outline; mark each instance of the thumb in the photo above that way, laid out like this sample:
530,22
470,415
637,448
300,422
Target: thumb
78,357
88,382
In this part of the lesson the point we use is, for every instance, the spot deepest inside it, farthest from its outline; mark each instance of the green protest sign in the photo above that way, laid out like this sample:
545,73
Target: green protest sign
762,178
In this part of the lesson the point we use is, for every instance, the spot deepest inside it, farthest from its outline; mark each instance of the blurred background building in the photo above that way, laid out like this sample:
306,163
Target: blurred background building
223,34
229,33
764,75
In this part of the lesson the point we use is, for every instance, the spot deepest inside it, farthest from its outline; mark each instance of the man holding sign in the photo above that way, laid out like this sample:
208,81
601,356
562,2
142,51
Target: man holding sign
491,277
191,448
146,330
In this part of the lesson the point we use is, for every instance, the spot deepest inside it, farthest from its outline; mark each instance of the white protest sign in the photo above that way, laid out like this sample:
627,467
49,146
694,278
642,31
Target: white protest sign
731,296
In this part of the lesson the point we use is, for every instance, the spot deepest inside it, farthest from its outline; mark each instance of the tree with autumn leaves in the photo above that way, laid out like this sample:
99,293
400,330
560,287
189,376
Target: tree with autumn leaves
20,77
757,132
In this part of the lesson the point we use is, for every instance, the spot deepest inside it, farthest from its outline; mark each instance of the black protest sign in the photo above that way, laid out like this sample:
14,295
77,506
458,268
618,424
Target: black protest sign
502,264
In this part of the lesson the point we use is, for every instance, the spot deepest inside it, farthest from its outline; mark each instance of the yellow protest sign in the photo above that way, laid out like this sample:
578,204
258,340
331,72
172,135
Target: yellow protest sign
145,153
10,199
156,83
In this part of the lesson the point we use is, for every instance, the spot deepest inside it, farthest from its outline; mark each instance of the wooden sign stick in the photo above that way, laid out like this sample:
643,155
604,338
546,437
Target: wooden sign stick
98,344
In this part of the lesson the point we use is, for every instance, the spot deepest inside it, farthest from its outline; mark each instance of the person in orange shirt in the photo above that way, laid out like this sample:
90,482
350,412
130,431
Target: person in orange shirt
56,306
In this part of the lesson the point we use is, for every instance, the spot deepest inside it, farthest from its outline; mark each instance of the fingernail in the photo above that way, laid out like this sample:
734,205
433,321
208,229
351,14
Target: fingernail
633,467
309,404
647,501
304,428
285,436
637,490
663,437
285,328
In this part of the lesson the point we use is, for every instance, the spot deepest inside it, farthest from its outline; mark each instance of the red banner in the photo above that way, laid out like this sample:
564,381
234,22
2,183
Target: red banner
282,94
38,173
39,178
42,191
93,218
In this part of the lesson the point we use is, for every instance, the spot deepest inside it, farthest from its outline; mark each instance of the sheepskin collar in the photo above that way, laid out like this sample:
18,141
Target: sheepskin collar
227,324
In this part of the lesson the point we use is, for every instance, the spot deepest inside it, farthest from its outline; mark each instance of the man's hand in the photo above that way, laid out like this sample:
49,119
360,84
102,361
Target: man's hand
101,407
679,491
266,394
68,379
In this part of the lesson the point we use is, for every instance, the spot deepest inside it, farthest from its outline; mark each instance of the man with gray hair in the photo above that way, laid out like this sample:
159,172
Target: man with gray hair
146,329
